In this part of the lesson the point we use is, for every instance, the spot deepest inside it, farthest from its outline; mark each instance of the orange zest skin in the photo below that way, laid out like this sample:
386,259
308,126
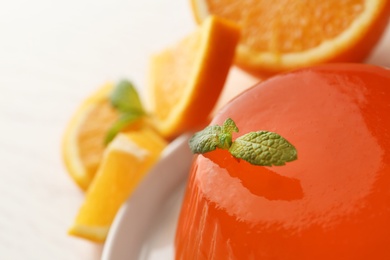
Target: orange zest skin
187,79
283,35
331,203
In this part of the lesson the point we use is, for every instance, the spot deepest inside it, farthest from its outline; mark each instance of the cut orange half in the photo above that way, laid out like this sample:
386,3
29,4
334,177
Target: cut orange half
282,35
187,79
126,160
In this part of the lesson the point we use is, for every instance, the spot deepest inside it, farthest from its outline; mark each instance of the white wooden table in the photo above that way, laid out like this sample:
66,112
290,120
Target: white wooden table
53,54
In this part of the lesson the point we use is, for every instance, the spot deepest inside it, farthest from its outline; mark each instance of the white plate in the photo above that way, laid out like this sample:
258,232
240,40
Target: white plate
144,228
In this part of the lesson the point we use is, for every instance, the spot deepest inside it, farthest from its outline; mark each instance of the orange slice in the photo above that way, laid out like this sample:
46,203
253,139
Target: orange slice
126,160
83,142
282,35
186,79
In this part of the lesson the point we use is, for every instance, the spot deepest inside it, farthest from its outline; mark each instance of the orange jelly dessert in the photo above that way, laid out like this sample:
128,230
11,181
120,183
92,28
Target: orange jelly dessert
333,202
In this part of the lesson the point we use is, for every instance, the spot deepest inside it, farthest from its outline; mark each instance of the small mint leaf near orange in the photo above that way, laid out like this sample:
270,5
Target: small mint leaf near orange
263,148
258,148
125,99
123,121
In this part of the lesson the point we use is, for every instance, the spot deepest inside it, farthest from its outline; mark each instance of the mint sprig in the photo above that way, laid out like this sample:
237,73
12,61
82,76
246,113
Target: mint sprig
125,99
258,148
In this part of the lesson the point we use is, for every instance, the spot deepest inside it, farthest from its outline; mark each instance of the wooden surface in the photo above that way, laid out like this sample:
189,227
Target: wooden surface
53,54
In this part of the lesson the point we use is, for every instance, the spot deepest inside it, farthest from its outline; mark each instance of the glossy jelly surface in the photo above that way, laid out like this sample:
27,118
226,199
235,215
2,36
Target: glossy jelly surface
331,203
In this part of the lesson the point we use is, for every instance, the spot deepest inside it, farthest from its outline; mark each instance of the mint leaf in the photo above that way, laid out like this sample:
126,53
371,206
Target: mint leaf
123,121
258,148
229,126
206,140
225,138
125,98
263,148
212,137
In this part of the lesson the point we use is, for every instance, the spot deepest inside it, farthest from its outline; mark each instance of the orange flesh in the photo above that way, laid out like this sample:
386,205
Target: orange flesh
187,79
273,25
181,57
332,203
91,135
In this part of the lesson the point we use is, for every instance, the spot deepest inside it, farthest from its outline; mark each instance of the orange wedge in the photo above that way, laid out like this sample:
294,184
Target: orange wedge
186,79
126,160
83,142
282,35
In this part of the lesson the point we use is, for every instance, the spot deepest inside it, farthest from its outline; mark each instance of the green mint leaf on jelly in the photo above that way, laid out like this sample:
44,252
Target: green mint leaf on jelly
263,148
206,140
225,137
229,126
212,137
125,99
258,148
